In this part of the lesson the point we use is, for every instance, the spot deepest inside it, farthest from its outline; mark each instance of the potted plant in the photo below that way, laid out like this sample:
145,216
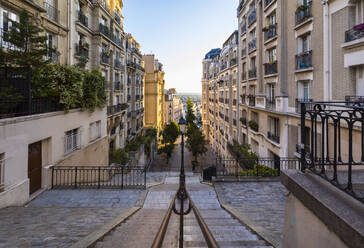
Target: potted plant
303,53
243,120
253,125
301,7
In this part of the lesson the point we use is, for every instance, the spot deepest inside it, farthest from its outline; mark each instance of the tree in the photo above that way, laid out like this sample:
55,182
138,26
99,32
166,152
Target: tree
118,156
190,114
28,47
196,143
170,135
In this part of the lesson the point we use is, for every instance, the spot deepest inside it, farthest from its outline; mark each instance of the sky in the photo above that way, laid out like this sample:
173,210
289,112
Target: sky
180,33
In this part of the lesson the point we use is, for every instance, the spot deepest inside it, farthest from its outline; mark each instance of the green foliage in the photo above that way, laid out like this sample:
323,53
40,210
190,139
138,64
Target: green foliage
170,133
243,120
190,113
29,46
149,137
196,143
72,87
260,170
118,156
167,149
253,125
243,153
11,96
191,129
135,144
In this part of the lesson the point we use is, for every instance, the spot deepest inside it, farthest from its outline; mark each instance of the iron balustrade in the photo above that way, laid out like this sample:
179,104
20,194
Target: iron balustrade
82,18
351,34
233,62
104,30
298,104
116,177
270,32
243,99
136,51
271,68
223,67
303,13
267,3
336,144
270,103
356,100
252,45
243,28
118,64
105,58
240,7
2,174
116,38
226,118
234,122
252,16
51,12
117,17
252,73
115,109
221,100
304,60
251,101
274,137
234,102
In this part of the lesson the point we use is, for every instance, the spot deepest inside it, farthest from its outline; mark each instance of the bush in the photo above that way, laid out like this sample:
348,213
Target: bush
118,156
260,170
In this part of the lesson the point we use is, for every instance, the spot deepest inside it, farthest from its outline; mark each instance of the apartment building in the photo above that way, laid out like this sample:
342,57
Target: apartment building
154,93
287,53
174,107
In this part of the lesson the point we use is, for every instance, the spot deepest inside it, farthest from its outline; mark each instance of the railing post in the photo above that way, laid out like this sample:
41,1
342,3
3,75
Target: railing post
145,178
52,177
76,178
99,179
303,136
122,177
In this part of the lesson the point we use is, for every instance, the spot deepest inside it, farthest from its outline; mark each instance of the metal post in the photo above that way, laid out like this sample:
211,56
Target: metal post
122,177
76,178
303,137
145,178
52,177
98,183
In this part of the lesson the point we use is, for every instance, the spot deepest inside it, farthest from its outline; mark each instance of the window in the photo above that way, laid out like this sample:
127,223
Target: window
95,130
273,129
272,19
252,63
271,55
73,140
6,19
359,12
270,91
304,43
304,91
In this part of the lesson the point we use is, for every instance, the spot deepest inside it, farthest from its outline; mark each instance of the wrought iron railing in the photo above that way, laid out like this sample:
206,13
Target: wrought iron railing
252,16
271,68
298,104
240,7
243,28
243,76
104,30
117,17
252,73
304,60
303,13
2,174
336,147
82,18
251,101
252,45
243,52
274,137
352,34
105,58
227,101
270,103
81,51
267,2
116,177
117,64
115,109
270,32
354,100
51,12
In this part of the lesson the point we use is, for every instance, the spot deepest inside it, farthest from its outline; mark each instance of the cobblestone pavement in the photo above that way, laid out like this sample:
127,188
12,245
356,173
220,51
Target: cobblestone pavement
59,218
263,203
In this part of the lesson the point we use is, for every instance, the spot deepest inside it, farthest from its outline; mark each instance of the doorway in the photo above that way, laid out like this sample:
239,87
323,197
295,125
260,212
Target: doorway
35,166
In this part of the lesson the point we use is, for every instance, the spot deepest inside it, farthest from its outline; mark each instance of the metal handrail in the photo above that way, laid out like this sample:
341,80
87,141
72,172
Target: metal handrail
159,238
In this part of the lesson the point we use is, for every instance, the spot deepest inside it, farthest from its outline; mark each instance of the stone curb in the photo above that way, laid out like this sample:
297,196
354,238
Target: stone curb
154,184
262,232
95,236
242,180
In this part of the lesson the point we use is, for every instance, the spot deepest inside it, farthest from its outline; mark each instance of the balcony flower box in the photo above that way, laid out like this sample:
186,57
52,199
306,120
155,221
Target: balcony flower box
253,125
301,7
243,120
303,53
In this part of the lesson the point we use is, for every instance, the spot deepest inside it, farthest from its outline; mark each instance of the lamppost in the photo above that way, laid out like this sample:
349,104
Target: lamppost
181,193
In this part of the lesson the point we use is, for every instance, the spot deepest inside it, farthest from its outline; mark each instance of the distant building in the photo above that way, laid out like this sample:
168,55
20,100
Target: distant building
174,107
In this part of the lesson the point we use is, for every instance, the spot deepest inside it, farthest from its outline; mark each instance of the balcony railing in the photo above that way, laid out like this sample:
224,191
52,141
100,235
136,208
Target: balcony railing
115,109
223,67
267,2
354,100
81,50
233,61
355,33
2,175
270,32
270,68
243,99
82,18
118,64
273,137
303,13
116,38
298,104
105,58
240,7
117,17
129,98
243,76
252,16
251,101
51,12
243,28
234,102
104,30
270,103
221,100
252,73
252,45
117,86
304,60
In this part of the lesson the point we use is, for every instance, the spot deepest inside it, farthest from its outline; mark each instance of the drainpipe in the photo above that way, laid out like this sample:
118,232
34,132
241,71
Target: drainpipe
327,51
68,62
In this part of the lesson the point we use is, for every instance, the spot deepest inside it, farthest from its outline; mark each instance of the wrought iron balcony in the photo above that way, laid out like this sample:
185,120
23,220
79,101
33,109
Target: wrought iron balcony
104,30
240,7
82,18
273,137
354,100
251,101
226,118
105,58
117,86
221,100
270,68
270,103
117,64
116,38
117,17
304,60
252,73
234,122
298,104
136,51
223,67
51,12
270,32
233,61
243,28
267,2
243,99
115,109
355,33
227,101
252,45
303,13
252,16
81,50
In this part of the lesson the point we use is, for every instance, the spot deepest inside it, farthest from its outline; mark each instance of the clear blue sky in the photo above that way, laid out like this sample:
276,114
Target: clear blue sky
180,33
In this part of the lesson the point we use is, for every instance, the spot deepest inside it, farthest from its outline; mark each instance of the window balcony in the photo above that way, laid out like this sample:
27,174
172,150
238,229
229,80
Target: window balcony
240,7
252,16
354,100
81,50
251,101
82,18
234,122
105,58
304,60
223,67
129,98
270,103
233,62
51,12
115,109
252,73
221,100
303,13
298,104
252,45
104,30
117,86
254,125
267,2
117,17
234,102
243,99
270,68
243,52
243,28
116,38
355,33
118,64
270,32
274,137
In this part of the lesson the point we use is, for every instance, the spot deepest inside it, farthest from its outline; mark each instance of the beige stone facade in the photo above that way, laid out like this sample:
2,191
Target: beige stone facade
173,106
154,93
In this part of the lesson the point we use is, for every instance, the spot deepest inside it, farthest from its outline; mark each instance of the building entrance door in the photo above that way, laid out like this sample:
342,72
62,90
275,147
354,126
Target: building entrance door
35,166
